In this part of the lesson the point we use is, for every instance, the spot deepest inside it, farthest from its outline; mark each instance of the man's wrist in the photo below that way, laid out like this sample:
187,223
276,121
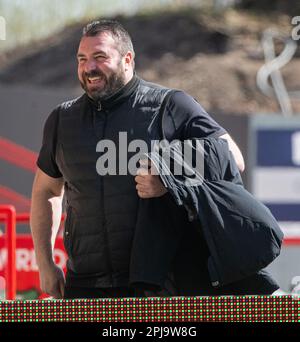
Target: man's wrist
46,265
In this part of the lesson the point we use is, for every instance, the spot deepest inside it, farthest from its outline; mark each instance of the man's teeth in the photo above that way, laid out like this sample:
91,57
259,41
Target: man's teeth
94,79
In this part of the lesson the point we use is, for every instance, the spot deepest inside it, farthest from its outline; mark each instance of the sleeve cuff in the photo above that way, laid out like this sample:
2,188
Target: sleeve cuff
47,171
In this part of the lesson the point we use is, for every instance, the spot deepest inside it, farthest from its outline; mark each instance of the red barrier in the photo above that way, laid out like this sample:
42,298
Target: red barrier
10,218
8,213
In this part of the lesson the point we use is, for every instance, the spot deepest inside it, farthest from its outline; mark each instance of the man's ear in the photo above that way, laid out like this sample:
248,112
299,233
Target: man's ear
128,59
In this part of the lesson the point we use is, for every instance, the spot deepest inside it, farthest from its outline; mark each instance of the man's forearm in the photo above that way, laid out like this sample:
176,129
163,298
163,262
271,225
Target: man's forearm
44,221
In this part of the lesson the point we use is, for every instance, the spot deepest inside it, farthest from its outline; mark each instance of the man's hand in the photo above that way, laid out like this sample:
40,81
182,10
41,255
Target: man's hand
148,184
52,281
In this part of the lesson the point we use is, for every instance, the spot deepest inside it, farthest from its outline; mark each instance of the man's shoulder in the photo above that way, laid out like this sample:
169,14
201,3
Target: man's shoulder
71,104
151,85
154,92
182,98
177,96
146,87
66,107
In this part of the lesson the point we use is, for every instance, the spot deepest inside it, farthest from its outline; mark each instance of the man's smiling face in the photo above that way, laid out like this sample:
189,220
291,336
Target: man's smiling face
100,66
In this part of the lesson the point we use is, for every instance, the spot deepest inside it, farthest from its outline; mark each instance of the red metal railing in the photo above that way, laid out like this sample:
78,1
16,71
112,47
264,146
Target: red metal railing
8,215
10,218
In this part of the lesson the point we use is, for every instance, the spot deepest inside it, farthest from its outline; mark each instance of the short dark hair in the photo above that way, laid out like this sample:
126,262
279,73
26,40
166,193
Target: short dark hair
118,32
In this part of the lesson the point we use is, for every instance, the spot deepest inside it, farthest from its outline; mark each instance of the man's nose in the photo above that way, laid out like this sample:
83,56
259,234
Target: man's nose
90,65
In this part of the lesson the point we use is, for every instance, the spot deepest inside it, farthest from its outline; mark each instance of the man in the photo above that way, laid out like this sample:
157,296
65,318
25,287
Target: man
102,210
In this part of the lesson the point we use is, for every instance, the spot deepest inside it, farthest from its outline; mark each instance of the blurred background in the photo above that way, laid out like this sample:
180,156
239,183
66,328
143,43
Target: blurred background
238,58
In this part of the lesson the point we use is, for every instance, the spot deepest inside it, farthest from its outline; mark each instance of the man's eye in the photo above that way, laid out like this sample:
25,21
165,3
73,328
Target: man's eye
81,60
99,57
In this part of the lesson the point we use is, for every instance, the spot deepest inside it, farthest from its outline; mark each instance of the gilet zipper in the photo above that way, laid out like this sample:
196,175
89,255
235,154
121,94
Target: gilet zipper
109,264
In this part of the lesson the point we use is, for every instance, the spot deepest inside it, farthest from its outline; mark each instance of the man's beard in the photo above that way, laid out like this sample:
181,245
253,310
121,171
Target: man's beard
112,84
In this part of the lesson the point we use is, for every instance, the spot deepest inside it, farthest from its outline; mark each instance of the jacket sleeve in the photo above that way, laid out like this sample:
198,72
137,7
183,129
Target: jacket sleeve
185,118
